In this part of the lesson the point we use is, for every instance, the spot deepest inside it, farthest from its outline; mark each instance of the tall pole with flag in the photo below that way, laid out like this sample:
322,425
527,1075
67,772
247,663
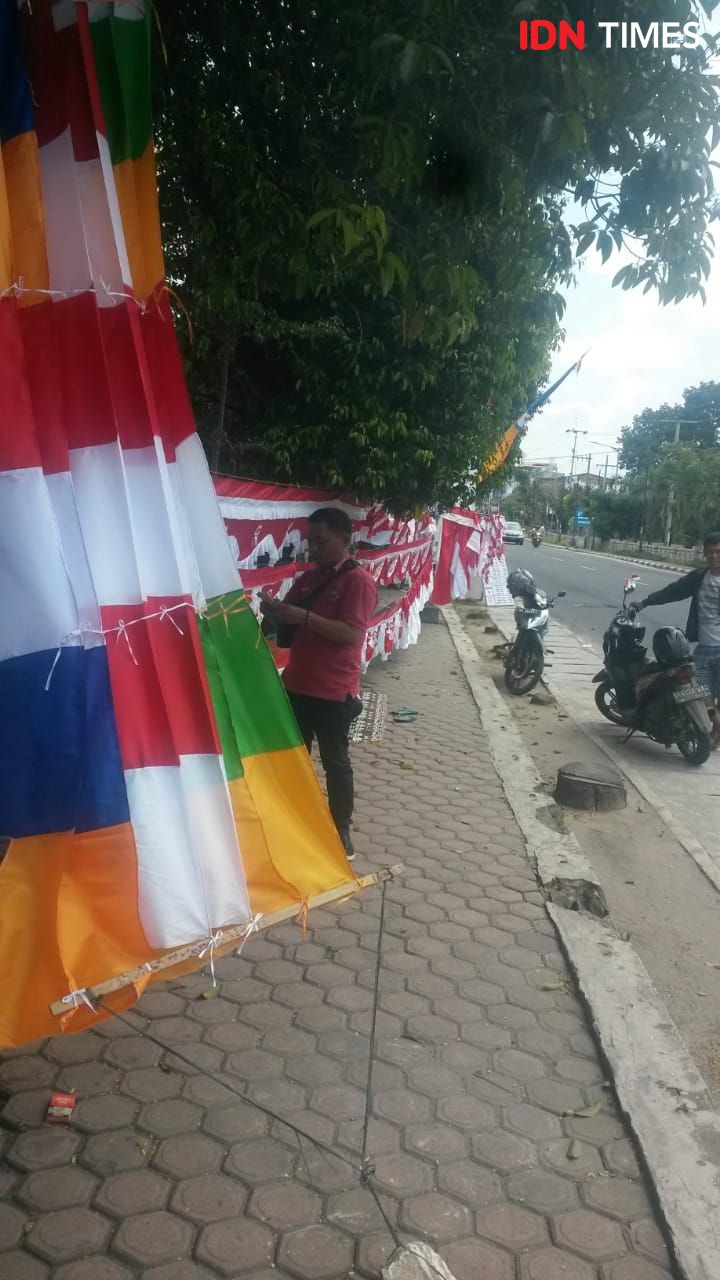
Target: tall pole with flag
518,427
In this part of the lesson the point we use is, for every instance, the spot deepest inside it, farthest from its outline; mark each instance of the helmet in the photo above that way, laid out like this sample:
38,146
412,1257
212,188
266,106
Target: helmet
520,583
670,645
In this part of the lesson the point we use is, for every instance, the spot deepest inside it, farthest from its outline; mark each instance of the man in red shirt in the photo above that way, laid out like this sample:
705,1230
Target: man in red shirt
324,619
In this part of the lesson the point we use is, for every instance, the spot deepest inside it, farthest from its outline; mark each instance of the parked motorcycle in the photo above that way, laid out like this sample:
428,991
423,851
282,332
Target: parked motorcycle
524,657
662,698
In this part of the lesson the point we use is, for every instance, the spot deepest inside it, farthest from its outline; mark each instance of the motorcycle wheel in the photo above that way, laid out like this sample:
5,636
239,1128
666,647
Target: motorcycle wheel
523,671
606,704
693,744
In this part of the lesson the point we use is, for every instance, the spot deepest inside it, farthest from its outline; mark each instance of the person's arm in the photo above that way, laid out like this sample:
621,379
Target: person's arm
682,589
358,603
292,615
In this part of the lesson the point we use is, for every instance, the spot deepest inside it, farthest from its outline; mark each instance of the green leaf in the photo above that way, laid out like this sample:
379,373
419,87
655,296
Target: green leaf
399,268
388,41
409,61
621,275
584,243
575,1149
321,215
442,57
605,245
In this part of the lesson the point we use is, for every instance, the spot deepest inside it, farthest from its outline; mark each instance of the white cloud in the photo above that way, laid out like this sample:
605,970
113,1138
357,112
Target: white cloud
641,355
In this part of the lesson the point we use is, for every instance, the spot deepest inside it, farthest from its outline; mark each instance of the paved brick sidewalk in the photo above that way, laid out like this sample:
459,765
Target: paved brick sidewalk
482,1048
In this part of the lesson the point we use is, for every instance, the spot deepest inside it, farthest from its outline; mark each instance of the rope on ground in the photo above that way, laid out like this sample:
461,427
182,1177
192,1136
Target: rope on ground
365,1168
231,1088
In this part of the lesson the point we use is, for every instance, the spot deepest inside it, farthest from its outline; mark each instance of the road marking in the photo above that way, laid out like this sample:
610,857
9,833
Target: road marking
608,555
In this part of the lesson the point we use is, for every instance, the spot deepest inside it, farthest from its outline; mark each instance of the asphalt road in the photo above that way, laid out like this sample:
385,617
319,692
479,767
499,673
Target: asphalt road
594,586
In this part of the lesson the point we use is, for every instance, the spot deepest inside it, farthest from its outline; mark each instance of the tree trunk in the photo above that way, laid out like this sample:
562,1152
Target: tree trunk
220,425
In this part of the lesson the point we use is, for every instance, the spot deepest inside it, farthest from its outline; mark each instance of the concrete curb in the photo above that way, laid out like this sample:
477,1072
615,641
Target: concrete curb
657,1083
659,1087
562,866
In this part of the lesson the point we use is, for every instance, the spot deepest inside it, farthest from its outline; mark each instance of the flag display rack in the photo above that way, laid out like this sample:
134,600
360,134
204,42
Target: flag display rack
221,941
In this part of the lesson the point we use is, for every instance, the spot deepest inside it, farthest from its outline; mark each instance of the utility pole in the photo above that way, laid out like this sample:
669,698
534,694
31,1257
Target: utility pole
678,422
573,431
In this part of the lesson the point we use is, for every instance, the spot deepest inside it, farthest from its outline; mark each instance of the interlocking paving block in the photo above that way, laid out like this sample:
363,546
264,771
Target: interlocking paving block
236,1247
95,1115
635,1269
149,1238
551,1264
181,1271
230,1121
43,1148
93,1269
12,1224
58,1188
285,1205
21,1073
436,1217
476,1260
170,1117
512,1226
542,1190
138,1191
68,1234
470,1182
21,1266
260,1160
209,1197
316,1253
116,1151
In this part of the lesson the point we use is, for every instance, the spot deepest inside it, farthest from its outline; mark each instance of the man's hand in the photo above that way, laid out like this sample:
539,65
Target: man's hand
289,614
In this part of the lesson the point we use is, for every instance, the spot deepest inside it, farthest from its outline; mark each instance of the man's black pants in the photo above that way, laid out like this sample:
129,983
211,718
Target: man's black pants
330,722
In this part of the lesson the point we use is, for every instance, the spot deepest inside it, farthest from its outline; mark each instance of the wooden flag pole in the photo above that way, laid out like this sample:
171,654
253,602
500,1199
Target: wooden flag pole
221,941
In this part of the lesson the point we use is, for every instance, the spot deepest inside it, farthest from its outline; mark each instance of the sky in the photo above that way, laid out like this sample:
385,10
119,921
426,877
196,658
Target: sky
641,356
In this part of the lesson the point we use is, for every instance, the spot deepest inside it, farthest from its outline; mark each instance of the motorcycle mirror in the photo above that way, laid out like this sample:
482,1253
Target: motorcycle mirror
631,585
561,593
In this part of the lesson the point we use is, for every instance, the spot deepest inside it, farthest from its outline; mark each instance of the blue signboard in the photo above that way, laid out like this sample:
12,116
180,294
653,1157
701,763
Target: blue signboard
582,520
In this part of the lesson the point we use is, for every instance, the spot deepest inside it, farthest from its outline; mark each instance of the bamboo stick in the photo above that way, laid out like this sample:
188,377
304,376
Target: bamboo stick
224,938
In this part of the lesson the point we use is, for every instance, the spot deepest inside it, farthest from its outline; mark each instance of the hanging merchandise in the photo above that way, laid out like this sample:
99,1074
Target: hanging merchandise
157,796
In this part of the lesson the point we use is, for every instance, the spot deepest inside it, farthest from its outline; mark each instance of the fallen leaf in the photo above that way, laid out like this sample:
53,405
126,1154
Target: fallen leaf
587,1112
575,1149
404,764
211,992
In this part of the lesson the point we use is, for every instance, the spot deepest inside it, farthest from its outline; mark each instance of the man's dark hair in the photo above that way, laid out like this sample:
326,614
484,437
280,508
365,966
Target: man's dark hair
334,519
711,540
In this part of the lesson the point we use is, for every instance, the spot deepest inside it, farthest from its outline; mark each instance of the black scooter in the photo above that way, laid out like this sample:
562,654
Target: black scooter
662,698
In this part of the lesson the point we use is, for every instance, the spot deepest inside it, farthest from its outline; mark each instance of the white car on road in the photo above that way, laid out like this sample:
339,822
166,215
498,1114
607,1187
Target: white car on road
513,532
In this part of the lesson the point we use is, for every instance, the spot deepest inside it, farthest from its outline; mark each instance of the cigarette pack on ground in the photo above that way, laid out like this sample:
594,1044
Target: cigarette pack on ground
61,1108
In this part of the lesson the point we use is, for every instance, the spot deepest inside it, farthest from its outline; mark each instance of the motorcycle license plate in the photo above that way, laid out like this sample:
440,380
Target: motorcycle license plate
692,692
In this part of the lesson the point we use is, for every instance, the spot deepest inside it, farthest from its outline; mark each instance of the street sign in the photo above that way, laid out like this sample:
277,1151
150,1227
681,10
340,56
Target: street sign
582,519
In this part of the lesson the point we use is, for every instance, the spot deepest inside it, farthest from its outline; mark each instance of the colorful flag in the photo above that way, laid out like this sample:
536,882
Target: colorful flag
496,459
154,785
